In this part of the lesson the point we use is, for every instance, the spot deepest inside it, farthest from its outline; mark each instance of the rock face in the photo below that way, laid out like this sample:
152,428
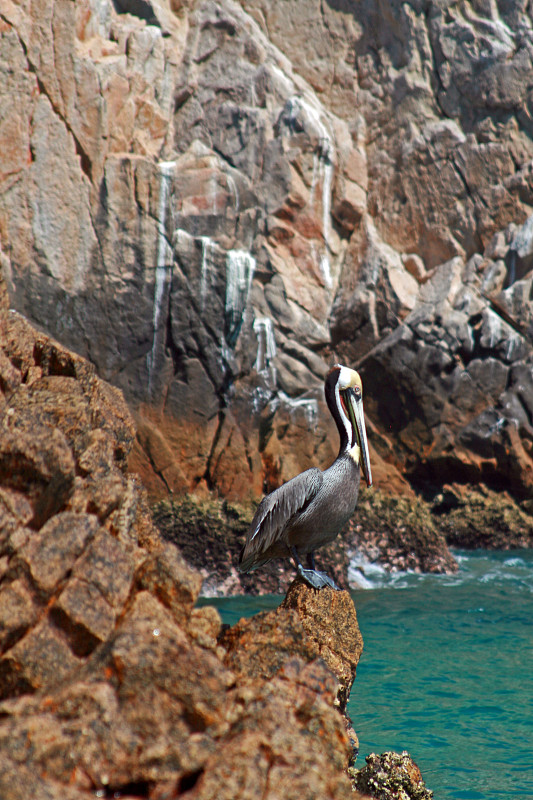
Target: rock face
111,681
212,201
307,623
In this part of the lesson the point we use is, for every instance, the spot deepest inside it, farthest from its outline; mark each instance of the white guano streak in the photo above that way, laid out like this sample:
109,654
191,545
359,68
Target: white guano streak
327,175
207,247
266,343
164,259
240,268
308,405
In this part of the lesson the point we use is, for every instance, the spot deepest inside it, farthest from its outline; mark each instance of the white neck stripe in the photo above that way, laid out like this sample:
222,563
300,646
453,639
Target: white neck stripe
345,420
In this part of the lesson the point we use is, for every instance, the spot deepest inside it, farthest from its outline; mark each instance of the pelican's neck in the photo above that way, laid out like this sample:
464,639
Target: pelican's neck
348,444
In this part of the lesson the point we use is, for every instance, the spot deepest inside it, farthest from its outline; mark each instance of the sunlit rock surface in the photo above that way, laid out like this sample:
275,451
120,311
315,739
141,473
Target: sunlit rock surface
213,201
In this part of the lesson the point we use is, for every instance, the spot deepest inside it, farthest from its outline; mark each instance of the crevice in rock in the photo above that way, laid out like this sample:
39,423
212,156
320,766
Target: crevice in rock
137,8
80,640
209,463
189,781
156,470
528,413
133,789
175,353
178,356
435,71
85,161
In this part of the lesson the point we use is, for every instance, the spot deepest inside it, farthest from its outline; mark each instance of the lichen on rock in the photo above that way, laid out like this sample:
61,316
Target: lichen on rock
390,776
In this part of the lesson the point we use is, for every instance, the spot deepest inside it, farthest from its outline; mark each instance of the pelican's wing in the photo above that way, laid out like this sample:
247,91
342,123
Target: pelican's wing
275,513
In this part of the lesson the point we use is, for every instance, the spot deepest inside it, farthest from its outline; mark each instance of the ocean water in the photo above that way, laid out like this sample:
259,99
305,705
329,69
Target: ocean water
446,672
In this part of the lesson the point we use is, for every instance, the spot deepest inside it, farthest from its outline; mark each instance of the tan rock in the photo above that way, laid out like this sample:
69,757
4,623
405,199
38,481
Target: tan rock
350,207
330,620
51,553
84,615
275,132
41,658
356,167
110,677
167,575
17,612
109,567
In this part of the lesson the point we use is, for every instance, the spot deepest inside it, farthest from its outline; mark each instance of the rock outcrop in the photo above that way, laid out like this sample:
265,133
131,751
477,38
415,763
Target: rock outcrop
395,533
112,682
390,776
308,624
212,201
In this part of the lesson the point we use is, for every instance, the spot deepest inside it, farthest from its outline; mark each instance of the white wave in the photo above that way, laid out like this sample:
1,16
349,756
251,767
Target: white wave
366,574
478,566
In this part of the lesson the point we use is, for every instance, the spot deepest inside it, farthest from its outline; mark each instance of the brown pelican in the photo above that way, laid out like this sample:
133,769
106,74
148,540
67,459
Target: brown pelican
309,510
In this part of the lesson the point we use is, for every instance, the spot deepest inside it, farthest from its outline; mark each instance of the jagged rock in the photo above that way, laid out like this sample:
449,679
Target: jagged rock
309,624
391,775
213,201
70,514
290,742
399,534
111,681
258,647
329,619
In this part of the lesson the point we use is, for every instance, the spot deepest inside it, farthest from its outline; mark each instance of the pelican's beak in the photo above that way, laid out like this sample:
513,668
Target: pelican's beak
357,418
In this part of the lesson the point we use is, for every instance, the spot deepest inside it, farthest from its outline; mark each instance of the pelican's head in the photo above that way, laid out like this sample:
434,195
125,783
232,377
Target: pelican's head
344,395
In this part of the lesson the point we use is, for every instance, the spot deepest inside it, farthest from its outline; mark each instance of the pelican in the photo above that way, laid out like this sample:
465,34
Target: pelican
308,511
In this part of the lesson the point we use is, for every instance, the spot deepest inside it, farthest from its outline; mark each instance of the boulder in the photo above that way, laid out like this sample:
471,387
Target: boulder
391,775
111,680
215,201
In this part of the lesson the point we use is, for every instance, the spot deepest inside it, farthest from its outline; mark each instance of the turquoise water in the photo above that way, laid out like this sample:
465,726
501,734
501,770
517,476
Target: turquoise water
446,673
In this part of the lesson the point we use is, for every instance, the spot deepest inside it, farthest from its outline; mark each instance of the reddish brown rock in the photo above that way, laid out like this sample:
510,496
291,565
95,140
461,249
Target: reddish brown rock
40,462
84,615
109,567
111,681
167,575
289,742
258,647
330,621
42,658
17,612
309,623
50,554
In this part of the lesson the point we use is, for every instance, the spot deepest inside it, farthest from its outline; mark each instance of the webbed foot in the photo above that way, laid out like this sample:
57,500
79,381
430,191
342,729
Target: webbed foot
317,579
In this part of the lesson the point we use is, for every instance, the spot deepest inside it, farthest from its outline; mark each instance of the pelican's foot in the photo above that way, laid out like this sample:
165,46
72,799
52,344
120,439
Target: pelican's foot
317,579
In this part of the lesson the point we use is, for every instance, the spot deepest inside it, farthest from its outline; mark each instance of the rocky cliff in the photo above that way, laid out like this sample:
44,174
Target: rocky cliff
212,201
112,682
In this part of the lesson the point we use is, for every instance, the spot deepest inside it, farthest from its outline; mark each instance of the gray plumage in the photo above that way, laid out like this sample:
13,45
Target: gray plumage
308,511
300,513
